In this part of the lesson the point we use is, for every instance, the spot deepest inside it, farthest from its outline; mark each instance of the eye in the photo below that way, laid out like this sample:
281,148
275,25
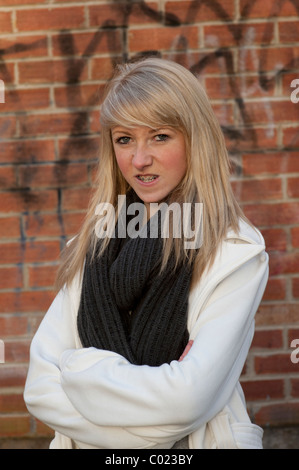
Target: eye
161,137
123,140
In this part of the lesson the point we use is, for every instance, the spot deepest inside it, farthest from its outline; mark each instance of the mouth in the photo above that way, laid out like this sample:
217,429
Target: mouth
146,178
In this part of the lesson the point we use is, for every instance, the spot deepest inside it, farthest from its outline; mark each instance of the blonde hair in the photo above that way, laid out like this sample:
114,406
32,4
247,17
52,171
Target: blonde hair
155,92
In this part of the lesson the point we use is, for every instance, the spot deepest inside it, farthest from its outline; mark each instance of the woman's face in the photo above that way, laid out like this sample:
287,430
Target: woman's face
153,162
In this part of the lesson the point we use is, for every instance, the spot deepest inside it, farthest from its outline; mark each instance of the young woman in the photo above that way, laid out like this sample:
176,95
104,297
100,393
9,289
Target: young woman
145,342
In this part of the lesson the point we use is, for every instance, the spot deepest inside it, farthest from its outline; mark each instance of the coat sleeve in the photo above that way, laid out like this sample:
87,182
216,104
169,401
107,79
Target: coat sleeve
44,395
174,398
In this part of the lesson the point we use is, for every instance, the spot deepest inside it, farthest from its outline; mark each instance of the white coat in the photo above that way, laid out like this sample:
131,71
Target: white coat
97,399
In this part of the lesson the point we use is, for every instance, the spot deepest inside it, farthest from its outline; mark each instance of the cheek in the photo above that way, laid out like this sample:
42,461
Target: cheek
122,163
178,163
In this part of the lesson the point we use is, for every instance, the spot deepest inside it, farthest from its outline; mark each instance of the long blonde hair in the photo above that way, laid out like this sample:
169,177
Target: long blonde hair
155,92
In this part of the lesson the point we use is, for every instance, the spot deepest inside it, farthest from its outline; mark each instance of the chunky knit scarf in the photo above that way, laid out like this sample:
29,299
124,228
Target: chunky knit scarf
128,307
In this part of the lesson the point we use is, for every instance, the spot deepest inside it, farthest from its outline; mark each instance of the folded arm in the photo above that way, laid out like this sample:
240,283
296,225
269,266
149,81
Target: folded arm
183,394
44,395
99,399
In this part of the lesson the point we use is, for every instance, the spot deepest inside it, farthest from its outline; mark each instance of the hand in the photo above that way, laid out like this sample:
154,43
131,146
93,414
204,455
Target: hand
186,350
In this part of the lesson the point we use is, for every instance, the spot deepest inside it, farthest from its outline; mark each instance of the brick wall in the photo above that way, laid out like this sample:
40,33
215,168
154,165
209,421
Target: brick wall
54,58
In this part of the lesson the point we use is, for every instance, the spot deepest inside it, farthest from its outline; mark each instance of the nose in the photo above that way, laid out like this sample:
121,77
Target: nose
142,157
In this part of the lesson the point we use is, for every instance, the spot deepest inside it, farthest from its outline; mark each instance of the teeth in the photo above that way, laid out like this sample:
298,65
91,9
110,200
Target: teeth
146,179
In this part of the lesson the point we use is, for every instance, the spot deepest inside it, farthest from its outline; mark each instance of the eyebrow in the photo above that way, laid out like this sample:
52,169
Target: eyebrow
128,130
121,129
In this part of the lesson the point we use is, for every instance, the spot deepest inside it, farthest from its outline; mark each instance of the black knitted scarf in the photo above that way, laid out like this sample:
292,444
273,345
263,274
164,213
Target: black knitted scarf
129,307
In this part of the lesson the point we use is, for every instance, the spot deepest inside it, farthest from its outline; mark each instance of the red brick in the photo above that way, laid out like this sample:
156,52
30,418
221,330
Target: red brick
123,13
17,351
290,137
276,314
270,163
190,11
163,38
87,44
250,139
56,175
42,429
22,46
295,287
41,251
257,190
267,339
275,289
22,151
293,333
53,224
6,22
7,177
295,237
28,200
75,147
11,278
13,325
263,389
75,199
12,376
12,403
42,276
226,35
231,87
266,9
51,71
268,59
102,67
283,263
275,364
7,127
282,414
53,124
275,239
7,73
26,99
14,426
74,96
94,118
224,113
29,252
288,31
25,301
294,388
271,112
20,2
273,214
293,187
49,18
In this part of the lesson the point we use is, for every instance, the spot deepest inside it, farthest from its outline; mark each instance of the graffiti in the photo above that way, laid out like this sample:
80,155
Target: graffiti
217,55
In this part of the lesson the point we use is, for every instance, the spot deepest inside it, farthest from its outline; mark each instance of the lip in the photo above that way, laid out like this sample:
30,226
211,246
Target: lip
147,183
